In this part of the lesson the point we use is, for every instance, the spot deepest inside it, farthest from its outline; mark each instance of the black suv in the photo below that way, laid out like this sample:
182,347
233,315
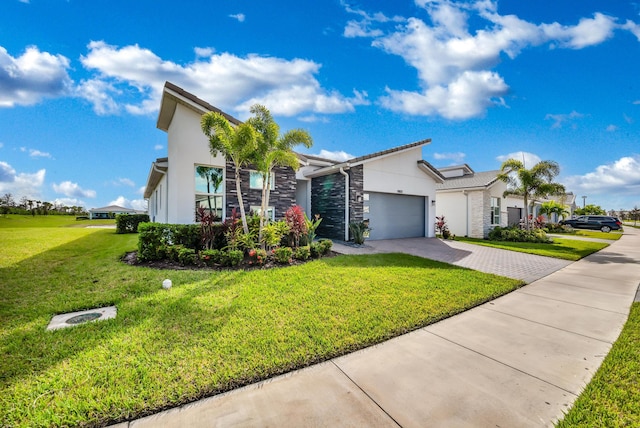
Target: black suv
595,222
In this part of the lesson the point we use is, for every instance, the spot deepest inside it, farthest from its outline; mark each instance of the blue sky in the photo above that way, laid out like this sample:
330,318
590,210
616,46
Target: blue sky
80,83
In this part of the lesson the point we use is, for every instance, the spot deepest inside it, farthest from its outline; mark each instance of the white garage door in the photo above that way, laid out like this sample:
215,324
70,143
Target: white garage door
394,216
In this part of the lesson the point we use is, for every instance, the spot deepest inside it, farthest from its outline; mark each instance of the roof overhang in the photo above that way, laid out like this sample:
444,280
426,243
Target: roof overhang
158,169
173,95
335,167
431,171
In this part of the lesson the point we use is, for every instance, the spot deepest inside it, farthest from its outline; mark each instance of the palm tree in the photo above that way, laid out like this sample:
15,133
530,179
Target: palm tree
236,143
273,150
552,207
531,184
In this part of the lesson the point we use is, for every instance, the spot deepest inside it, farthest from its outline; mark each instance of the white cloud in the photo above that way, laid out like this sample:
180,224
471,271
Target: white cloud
633,28
204,52
1,145
588,31
99,93
454,63
136,204
560,119
34,75
456,158
38,154
612,128
124,182
312,118
240,17
286,87
468,96
338,155
158,147
69,202
21,184
72,190
529,159
619,177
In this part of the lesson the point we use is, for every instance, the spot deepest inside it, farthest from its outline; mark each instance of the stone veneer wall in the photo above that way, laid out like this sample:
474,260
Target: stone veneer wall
476,204
281,197
328,200
356,194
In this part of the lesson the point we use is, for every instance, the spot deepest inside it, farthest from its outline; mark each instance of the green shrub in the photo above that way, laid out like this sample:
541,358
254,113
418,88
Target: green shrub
515,234
128,223
187,256
211,257
325,246
358,229
172,252
231,257
273,233
302,253
283,255
314,250
558,228
152,236
189,235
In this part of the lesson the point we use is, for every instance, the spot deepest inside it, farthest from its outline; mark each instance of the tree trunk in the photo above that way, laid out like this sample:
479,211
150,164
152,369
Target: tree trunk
243,216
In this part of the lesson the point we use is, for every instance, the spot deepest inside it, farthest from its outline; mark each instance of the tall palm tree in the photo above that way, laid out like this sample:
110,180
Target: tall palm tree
273,150
237,143
531,184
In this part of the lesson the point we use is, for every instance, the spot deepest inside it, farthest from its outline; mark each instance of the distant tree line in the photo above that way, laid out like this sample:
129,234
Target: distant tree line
25,206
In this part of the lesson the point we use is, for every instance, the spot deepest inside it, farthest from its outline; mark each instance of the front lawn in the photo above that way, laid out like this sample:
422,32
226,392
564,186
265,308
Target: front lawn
211,332
612,236
612,398
561,248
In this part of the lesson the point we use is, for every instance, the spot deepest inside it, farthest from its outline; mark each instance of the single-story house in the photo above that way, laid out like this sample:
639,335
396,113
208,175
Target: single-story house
109,212
393,189
472,202
568,201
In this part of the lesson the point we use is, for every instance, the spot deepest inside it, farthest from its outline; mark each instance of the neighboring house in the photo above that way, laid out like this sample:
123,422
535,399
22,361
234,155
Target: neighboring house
567,200
393,189
473,203
109,212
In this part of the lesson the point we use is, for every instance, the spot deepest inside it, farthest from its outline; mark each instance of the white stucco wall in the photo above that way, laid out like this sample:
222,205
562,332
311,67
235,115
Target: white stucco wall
468,212
456,210
187,147
158,202
399,174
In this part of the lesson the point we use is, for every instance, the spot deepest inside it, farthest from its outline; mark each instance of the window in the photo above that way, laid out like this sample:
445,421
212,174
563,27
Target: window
209,186
495,210
255,180
271,212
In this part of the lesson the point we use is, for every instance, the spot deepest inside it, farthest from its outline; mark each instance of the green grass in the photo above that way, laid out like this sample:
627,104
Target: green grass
12,221
211,332
612,398
561,248
613,236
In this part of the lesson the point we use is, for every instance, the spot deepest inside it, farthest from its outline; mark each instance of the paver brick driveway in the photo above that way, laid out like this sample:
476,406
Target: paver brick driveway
512,264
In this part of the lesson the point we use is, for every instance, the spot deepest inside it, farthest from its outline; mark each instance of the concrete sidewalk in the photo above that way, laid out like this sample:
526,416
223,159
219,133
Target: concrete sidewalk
520,360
